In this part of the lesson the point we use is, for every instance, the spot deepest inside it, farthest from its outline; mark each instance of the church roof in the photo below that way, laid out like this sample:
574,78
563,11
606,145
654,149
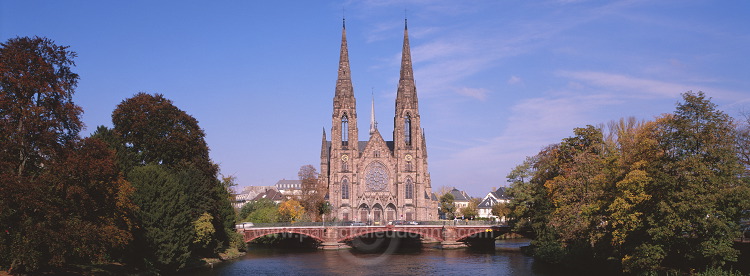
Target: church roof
363,144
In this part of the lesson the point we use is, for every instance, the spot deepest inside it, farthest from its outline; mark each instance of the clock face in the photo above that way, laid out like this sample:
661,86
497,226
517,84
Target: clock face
408,157
345,157
376,178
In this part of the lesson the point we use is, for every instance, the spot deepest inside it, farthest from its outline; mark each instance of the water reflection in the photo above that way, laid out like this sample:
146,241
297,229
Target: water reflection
506,259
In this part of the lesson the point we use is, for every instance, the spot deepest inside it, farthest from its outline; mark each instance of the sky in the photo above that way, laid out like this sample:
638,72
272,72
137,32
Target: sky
497,80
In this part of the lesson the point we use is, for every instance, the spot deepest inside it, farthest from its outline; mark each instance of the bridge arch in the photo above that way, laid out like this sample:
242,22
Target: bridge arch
468,232
348,234
250,235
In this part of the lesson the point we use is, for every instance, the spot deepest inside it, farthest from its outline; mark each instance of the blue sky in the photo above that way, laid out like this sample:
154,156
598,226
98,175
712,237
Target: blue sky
497,80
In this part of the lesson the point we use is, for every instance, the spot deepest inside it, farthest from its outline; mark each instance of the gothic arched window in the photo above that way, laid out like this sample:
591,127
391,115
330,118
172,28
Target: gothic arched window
344,130
407,130
409,189
345,189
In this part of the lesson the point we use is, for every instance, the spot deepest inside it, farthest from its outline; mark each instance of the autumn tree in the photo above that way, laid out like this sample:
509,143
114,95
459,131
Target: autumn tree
153,128
62,199
500,210
291,211
642,196
313,193
37,114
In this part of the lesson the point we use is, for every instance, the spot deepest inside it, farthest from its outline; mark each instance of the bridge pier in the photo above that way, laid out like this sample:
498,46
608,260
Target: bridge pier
450,238
330,239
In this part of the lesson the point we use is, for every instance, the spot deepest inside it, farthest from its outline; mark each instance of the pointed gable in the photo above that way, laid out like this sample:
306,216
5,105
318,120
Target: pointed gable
376,146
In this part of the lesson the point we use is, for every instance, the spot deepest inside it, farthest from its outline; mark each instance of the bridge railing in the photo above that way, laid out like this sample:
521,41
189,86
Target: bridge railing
340,223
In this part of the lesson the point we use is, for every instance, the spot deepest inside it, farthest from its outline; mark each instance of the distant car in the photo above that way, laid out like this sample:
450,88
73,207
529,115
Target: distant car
357,223
397,222
412,223
244,225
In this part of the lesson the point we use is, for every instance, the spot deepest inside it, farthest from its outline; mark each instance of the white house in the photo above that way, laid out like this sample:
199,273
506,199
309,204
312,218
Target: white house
492,198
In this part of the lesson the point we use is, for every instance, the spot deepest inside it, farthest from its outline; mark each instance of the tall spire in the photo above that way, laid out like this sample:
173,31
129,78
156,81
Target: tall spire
344,82
406,96
373,123
406,70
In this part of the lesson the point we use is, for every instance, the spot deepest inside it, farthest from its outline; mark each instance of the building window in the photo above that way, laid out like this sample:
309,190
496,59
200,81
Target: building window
344,166
345,189
409,167
407,130
409,189
376,177
344,130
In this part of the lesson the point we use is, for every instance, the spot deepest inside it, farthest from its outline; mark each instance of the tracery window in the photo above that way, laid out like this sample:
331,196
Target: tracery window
345,189
376,177
344,130
409,189
407,130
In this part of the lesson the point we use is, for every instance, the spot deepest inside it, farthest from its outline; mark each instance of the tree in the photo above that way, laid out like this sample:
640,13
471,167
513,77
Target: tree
37,114
166,232
158,132
255,205
313,193
151,130
696,192
268,214
447,206
500,210
291,211
204,232
62,200
471,211
644,196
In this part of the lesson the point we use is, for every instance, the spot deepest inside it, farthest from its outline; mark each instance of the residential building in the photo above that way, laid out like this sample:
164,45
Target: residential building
492,198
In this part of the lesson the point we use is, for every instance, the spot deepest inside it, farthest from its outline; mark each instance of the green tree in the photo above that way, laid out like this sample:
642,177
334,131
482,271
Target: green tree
151,130
696,194
269,214
471,211
204,232
255,205
166,231
447,206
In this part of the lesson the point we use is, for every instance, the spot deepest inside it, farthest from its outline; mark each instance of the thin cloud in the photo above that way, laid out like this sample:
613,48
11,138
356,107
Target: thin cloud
477,93
514,80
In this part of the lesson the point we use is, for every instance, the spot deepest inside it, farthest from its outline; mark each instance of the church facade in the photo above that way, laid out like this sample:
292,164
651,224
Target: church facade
377,180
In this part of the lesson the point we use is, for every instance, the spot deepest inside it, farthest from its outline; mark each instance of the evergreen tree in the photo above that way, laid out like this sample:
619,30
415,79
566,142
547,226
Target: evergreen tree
166,232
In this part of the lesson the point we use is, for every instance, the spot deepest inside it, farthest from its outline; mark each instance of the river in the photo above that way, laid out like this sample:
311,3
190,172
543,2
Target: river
506,259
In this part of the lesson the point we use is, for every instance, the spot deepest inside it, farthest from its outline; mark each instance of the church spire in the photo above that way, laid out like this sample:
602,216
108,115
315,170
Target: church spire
373,123
406,96
344,83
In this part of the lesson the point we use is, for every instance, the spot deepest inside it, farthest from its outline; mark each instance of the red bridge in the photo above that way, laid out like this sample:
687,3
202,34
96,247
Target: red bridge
333,237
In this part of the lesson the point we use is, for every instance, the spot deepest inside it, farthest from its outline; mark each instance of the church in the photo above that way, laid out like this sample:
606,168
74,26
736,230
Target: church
377,180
